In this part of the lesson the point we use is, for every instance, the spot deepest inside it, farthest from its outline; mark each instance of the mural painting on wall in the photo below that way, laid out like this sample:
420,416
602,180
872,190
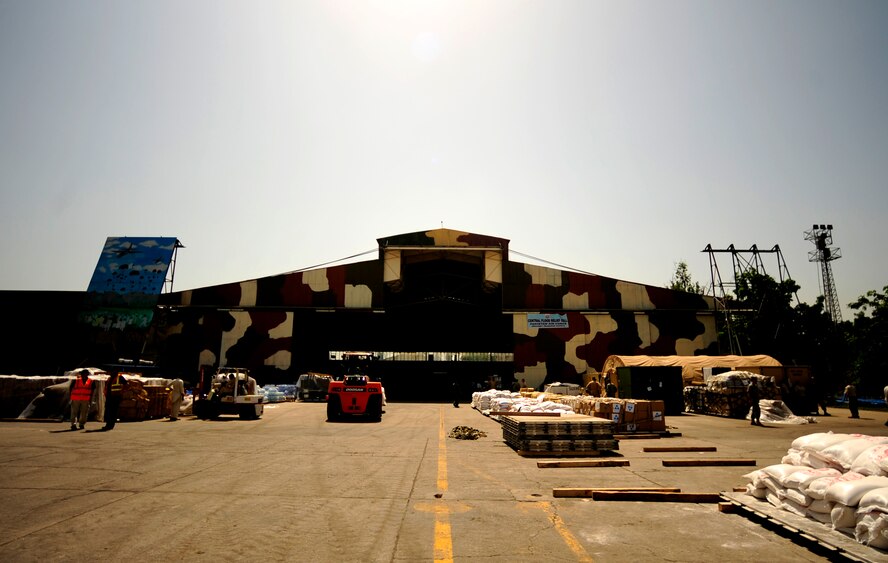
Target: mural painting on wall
127,282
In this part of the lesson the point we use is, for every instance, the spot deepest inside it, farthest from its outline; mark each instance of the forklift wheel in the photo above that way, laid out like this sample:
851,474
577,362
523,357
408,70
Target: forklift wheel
333,410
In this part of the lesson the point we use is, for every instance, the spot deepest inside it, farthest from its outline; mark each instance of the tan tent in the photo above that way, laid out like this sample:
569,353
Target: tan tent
691,366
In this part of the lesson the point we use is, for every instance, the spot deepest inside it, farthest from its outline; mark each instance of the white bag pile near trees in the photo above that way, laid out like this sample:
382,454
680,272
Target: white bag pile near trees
837,479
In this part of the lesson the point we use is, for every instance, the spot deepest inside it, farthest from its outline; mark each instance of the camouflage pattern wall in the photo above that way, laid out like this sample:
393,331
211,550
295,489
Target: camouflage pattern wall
290,321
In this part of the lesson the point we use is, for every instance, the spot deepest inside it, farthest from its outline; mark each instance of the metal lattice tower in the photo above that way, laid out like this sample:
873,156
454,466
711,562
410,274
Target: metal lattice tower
821,236
742,261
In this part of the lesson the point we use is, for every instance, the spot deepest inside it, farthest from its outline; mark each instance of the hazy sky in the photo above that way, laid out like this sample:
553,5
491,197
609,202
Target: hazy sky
612,137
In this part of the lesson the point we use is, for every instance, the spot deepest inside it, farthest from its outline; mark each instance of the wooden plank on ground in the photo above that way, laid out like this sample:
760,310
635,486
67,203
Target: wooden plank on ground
706,462
534,414
679,449
655,496
583,492
637,436
584,463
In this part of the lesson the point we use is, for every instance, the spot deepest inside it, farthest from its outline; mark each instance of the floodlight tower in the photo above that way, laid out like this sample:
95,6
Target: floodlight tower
821,236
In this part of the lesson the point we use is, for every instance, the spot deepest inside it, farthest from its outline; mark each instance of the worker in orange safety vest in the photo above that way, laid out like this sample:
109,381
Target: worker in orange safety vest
81,394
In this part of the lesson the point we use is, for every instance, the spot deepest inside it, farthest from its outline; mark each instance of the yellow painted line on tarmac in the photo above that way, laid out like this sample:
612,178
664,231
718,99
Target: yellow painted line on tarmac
443,537
442,453
572,542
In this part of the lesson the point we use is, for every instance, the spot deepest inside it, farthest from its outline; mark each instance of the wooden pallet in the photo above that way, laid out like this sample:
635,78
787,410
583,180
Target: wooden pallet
589,453
805,531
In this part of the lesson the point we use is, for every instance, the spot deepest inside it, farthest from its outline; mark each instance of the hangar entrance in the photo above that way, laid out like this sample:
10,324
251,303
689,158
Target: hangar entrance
448,333
435,376
441,322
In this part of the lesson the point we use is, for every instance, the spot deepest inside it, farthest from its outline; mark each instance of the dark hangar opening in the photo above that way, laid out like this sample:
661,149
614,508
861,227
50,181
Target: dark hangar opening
442,303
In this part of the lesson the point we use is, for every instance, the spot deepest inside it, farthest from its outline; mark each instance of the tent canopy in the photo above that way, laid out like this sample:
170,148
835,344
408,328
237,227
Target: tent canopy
691,366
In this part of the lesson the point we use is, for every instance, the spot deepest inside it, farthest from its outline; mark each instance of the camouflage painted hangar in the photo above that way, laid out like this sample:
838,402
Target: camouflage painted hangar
435,307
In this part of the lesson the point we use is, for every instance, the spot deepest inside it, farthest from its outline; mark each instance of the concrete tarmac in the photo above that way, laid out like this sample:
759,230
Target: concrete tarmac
293,487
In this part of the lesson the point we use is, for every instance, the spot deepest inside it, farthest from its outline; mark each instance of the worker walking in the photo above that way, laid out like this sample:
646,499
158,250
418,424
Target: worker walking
851,395
593,388
81,394
454,390
177,393
113,395
754,397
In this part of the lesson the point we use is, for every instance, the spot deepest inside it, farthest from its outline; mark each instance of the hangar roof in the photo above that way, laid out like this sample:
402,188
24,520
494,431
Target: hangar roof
438,238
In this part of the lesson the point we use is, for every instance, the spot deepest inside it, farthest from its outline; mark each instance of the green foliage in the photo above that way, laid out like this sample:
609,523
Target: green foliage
681,280
764,322
760,318
867,339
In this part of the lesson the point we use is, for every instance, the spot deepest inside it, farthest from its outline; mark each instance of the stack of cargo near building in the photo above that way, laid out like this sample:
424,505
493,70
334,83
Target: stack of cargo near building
575,434
627,415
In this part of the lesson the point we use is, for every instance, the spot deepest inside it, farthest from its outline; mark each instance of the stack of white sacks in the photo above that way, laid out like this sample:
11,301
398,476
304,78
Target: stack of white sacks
837,479
505,401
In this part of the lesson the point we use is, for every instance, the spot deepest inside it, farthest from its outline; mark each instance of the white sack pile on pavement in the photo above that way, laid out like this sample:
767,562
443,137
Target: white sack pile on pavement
840,480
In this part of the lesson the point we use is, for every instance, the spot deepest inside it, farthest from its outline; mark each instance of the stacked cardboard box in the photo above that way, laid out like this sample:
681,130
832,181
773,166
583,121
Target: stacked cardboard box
628,415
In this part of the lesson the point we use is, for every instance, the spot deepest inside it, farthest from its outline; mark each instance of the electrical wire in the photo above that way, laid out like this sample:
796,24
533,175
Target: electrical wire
577,270
333,261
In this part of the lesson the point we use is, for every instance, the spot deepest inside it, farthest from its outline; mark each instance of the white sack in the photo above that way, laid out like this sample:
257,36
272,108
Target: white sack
872,529
756,492
825,518
874,500
793,457
773,499
811,459
794,507
849,493
843,517
845,452
819,440
755,477
817,488
772,485
801,479
797,497
872,461
821,506
780,471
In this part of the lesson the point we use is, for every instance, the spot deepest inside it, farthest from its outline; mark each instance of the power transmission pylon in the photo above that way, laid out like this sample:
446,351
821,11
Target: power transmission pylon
821,236
742,261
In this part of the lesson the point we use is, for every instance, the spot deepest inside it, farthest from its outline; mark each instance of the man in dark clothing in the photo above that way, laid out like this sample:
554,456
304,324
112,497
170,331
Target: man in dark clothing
610,390
593,388
113,394
820,396
754,397
454,389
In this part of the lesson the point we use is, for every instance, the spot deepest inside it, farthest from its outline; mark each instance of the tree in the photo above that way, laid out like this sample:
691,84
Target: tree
762,315
681,280
820,343
867,339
